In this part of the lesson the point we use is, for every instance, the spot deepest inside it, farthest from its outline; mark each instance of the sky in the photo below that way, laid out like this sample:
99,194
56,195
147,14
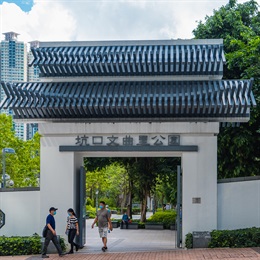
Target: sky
90,20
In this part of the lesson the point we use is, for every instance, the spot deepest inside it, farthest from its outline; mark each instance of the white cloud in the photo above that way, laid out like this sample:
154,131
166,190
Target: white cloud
46,21
59,20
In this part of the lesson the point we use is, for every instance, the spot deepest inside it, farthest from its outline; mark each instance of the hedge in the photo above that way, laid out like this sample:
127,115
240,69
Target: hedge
23,245
248,237
165,217
239,238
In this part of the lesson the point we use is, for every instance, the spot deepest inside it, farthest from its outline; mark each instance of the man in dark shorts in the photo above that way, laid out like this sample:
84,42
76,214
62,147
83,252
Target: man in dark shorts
51,234
104,223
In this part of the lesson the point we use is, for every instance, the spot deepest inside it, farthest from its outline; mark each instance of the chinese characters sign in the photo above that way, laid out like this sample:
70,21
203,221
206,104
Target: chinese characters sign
128,140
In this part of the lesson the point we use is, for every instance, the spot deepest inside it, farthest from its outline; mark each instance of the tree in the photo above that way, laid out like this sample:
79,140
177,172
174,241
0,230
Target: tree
110,180
137,178
145,172
239,26
24,165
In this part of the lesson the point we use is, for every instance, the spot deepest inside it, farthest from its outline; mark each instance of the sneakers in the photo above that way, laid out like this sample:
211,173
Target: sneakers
70,252
104,248
77,248
62,254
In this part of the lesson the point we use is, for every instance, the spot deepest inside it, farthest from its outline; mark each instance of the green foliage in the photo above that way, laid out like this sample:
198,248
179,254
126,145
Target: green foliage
120,180
165,217
62,244
23,166
249,237
23,245
90,202
141,225
110,181
239,26
189,241
20,245
91,211
166,186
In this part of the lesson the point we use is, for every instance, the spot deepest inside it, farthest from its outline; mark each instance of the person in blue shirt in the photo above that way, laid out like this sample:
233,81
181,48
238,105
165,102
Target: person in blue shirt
125,220
51,234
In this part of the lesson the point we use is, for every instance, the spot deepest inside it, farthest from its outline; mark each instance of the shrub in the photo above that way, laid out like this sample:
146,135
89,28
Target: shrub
136,211
23,245
248,237
90,211
141,225
239,238
116,220
90,202
189,241
62,243
165,217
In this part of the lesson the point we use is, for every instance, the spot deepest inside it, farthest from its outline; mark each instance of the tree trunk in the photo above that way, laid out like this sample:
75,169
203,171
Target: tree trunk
130,200
123,203
144,206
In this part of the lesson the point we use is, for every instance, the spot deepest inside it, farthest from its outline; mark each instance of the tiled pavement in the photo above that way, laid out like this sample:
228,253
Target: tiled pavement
145,245
178,254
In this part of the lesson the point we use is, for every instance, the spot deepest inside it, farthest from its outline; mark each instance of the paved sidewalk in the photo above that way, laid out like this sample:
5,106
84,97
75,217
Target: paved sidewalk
144,244
130,240
193,254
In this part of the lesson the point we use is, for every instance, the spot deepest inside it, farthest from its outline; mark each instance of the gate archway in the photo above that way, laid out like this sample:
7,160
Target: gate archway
94,94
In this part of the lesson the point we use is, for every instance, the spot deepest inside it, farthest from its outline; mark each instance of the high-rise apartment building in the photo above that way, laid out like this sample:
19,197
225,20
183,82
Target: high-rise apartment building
33,72
33,76
13,68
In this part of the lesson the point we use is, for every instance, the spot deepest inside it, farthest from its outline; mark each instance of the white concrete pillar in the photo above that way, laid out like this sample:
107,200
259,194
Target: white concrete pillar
58,183
200,183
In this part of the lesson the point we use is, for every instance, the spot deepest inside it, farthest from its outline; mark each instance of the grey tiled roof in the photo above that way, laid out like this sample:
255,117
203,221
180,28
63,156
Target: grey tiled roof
130,60
143,100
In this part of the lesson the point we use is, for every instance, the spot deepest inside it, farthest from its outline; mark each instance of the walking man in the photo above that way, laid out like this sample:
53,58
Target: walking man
104,223
51,234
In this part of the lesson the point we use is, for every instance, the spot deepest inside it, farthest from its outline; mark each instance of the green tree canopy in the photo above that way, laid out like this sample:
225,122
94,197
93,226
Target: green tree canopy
24,165
239,26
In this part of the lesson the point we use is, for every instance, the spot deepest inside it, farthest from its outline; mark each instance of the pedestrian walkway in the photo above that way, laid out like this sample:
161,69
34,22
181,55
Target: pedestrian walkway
144,244
130,240
178,254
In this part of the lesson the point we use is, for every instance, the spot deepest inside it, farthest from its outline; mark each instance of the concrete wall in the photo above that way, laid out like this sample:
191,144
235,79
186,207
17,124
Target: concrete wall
199,183
239,204
199,168
22,213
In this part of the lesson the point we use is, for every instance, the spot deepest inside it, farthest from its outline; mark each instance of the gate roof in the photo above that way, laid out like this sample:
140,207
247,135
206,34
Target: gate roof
168,80
221,100
130,58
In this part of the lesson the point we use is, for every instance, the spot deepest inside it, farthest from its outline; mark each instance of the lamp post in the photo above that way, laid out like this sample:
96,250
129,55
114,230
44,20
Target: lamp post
4,151
97,200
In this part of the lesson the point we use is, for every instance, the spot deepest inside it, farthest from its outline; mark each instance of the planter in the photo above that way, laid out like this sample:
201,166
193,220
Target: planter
157,226
173,227
115,224
133,225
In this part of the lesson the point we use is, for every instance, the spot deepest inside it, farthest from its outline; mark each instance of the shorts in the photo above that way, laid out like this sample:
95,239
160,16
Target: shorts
103,232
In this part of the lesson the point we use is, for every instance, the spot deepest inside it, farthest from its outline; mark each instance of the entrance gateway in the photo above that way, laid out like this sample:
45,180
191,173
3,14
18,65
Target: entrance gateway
130,99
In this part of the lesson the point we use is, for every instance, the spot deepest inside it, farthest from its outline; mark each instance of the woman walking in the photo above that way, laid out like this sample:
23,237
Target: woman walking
72,230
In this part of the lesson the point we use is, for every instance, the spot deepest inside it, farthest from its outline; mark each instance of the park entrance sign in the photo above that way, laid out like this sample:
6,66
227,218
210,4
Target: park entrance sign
130,99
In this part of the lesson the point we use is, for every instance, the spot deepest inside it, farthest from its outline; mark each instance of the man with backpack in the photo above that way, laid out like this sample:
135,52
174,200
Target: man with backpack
51,234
